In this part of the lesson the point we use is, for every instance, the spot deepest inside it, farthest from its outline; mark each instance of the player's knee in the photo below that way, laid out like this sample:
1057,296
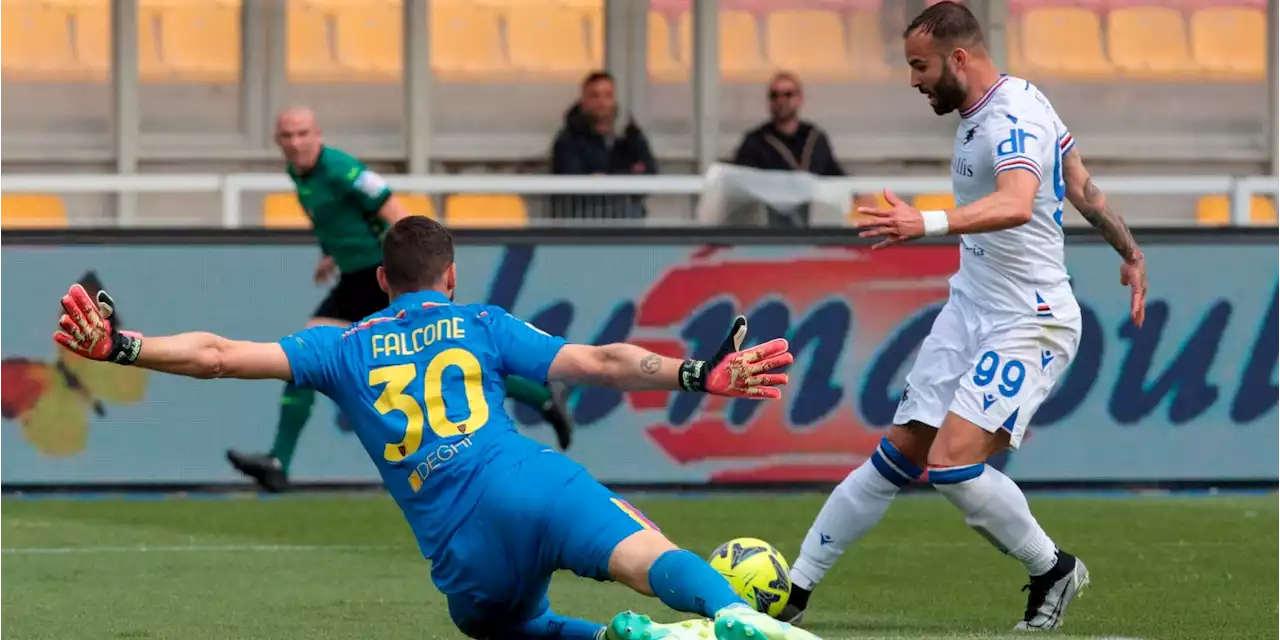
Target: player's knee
890,463
631,559
962,443
912,441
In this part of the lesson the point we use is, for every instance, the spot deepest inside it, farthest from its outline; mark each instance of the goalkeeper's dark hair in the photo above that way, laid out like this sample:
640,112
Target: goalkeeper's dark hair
950,23
416,252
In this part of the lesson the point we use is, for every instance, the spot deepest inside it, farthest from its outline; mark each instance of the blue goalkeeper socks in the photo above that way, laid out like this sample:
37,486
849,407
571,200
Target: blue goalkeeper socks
686,583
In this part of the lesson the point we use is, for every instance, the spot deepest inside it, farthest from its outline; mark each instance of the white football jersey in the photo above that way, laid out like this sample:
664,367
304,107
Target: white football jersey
1020,270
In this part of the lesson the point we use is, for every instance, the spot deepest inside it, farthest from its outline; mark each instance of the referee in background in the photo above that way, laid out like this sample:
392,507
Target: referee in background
350,207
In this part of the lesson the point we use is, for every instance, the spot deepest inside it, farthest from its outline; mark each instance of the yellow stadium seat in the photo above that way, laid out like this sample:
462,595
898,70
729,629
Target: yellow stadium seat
1065,42
36,42
308,51
282,211
665,63
93,40
868,47
549,40
809,42
198,41
1216,210
417,204
32,211
370,41
854,216
466,41
1230,42
1149,42
932,201
740,54
481,210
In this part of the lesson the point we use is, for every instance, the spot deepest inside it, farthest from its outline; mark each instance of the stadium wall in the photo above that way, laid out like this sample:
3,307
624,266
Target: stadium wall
1189,398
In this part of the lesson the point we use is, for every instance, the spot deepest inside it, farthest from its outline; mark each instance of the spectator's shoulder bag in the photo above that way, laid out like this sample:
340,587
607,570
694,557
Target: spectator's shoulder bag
806,156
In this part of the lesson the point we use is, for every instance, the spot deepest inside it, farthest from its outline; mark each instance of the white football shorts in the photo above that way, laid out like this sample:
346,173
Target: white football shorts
993,369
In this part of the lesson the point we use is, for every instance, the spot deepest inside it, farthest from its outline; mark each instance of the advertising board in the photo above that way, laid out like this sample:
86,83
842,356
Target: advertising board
1191,395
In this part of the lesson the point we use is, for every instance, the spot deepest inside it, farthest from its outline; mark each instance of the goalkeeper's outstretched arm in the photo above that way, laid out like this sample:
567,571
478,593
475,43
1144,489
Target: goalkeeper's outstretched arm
207,355
86,329
732,371
631,368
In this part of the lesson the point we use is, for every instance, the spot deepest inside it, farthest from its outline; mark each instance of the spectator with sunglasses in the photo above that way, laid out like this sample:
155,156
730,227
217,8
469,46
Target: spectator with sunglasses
787,143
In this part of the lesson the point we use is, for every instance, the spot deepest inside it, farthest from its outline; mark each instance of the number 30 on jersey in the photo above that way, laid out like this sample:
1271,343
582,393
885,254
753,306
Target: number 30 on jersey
398,377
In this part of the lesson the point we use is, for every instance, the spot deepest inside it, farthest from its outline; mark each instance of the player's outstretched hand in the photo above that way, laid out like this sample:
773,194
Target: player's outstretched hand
1134,275
742,373
85,328
897,224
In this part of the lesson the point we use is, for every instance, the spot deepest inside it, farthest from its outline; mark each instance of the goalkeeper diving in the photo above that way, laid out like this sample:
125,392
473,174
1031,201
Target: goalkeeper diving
350,207
497,513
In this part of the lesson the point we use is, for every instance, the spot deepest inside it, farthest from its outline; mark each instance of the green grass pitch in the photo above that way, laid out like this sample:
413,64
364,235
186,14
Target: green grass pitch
322,567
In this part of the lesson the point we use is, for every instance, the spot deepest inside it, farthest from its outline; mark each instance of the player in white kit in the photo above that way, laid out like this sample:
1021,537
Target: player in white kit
1009,329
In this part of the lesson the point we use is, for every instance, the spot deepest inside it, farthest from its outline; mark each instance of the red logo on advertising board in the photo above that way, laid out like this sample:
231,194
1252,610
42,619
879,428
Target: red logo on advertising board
836,306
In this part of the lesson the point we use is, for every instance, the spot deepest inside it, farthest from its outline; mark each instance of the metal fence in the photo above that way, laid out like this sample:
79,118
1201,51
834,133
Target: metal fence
256,199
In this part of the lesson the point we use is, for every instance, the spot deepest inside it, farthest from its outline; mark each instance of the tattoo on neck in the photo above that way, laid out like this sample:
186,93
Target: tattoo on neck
650,364
1109,225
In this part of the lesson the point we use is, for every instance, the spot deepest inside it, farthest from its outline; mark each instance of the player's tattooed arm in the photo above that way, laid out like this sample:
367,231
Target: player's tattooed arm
620,365
1091,202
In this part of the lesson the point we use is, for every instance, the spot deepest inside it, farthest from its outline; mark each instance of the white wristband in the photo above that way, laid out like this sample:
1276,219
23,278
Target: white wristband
935,222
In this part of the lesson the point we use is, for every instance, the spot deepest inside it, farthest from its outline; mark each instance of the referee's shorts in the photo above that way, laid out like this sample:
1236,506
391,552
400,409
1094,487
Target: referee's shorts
355,297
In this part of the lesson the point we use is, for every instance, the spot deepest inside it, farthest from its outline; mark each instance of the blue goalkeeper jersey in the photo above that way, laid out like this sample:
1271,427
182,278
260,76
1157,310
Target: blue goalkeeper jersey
422,383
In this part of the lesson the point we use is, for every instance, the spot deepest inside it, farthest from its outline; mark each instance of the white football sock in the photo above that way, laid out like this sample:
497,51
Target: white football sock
856,505
996,508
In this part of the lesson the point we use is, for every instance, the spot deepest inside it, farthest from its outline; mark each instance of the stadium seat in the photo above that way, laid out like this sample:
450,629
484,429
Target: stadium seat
92,22
868,46
32,211
309,53
1215,210
550,40
931,201
198,41
740,54
811,43
1230,42
370,41
1149,41
666,62
480,210
854,216
417,204
466,41
282,211
36,42
1064,41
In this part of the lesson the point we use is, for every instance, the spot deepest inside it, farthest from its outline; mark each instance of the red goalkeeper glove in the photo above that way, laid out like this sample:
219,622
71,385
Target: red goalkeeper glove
85,329
750,373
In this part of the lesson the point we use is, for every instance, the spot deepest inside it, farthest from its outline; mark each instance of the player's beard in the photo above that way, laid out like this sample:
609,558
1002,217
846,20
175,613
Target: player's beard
947,93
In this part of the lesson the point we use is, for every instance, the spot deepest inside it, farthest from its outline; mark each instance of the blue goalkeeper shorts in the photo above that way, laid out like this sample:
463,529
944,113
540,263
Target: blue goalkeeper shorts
546,514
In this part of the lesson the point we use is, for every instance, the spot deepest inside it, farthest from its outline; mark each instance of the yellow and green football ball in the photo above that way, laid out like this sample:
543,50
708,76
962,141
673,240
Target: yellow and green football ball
756,571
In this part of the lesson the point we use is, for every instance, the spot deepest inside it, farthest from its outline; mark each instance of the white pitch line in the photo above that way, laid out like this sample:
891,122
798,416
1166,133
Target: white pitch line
230,548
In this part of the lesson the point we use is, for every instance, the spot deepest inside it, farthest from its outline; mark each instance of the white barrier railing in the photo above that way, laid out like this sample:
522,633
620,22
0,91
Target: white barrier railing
232,186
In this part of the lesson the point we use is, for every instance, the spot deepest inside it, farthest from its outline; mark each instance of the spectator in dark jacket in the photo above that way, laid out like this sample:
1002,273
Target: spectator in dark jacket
590,144
787,143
